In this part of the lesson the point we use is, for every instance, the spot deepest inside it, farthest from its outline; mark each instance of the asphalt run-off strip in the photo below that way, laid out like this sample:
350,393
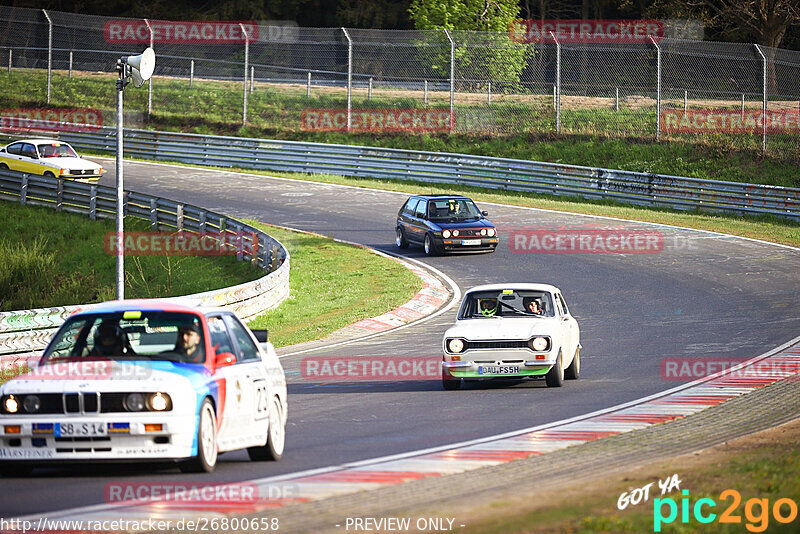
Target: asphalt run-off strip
283,492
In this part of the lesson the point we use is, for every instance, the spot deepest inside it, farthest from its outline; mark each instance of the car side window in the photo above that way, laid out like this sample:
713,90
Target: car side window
246,345
15,148
563,303
420,211
559,309
29,151
219,335
408,209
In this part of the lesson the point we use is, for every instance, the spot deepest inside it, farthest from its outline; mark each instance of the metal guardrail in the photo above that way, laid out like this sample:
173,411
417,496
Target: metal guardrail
494,173
24,332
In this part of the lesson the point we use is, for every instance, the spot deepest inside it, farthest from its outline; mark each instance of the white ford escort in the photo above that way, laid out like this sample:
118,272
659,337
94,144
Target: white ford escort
512,331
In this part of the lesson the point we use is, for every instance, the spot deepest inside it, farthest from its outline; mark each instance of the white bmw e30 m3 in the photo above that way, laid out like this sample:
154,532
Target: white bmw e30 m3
512,331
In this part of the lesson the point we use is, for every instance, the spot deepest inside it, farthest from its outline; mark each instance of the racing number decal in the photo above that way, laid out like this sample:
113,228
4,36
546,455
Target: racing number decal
262,399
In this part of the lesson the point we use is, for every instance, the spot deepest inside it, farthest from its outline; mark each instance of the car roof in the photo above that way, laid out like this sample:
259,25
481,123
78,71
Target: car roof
39,141
515,285
437,197
146,305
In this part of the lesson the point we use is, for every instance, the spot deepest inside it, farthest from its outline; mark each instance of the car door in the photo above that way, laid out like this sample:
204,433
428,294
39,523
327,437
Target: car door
418,221
257,390
233,414
406,216
571,332
29,159
12,156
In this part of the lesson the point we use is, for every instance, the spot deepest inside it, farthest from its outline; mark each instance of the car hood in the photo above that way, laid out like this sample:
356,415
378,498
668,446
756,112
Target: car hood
470,223
73,163
502,328
105,376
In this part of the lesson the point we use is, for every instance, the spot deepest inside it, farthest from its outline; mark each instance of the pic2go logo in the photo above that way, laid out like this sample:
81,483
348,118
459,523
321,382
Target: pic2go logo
756,511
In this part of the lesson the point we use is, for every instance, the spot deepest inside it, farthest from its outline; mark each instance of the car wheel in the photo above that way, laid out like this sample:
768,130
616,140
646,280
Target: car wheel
449,382
49,174
206,459
14,470
555,376
430,246
276,437
573,372
3,167
401,240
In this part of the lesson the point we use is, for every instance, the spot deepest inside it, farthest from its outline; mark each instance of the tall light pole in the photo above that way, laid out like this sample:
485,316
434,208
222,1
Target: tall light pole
137,69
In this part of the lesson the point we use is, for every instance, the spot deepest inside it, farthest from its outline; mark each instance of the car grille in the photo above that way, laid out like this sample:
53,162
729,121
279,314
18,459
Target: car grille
467,232
81,172
76,403
520,344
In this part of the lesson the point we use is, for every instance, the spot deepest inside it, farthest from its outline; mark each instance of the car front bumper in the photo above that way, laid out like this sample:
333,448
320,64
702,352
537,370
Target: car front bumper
126,438
467,243
498,368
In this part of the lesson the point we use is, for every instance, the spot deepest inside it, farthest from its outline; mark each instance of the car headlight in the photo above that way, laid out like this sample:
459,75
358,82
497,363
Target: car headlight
446,234
455,233
159,402
539,343
455,345
31,403
483,231
11,404
134,402
491,232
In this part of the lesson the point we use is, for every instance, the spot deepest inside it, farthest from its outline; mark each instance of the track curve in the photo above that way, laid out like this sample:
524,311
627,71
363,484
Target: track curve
704,295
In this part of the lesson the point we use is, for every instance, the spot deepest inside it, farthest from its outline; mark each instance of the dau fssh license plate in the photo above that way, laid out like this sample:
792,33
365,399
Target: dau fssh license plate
80,429
498,369
470,241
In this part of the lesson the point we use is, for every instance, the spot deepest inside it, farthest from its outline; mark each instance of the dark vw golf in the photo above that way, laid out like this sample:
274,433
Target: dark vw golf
444,223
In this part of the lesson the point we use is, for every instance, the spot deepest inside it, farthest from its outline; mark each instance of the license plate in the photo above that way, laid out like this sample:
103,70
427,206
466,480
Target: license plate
67,430
498,369
470,241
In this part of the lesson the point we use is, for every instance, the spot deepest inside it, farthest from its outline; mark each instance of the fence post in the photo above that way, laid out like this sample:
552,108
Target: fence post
191,73
150,81
179,217
742,106
452,79
153,214
369,92
558,83
10,51
246,61
685,100
616,99
658,87
60,194
764,103
349,78
425,93
93,202
23,190
252,75
489,93
49,52
308,86
70,63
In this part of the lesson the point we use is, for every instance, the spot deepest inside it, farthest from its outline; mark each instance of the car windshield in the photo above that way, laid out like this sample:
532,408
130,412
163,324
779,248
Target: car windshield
56,150
151,335
454,209
506,303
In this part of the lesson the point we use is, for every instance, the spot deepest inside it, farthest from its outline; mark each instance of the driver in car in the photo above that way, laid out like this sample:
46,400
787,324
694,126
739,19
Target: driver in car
488,307
188,345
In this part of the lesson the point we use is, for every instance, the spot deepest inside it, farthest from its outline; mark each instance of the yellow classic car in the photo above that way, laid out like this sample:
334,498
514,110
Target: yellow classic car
50,158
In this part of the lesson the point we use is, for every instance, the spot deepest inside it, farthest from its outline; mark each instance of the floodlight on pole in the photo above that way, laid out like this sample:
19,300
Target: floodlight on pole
138,69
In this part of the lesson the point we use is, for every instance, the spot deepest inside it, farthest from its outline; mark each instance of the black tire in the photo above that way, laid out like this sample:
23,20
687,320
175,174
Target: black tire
3,167
430,246
206,459
14,470
573,372
49,174
555,376
449,382
276,437
401,240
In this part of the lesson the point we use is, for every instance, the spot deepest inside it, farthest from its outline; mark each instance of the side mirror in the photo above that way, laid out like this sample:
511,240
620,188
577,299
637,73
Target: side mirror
485,213
225,359
262,336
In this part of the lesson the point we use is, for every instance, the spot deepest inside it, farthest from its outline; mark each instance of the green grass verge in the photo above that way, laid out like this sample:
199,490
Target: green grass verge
57,259
763,467
510,128
332,285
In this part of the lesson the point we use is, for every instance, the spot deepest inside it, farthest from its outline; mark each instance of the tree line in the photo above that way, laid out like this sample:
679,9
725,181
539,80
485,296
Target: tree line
773,23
